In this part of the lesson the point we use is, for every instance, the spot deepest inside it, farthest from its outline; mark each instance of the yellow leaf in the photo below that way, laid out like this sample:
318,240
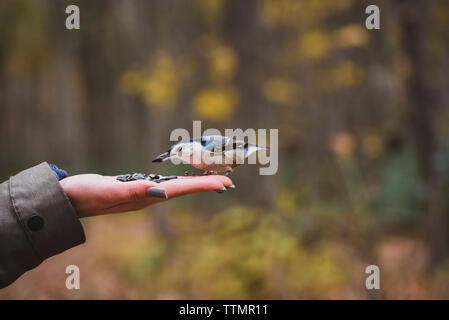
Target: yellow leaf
159,87
223,62
131,81
347,74
216,104
315,45
280,90
210,8
351,36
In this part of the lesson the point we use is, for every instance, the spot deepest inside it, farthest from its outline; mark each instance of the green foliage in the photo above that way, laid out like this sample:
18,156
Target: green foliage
400,198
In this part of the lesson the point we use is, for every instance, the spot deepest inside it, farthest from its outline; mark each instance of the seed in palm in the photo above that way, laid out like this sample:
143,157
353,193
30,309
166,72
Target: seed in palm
153,177
141,176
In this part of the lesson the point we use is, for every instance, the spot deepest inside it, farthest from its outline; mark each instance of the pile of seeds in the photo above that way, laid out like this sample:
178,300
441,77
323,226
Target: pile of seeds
141,176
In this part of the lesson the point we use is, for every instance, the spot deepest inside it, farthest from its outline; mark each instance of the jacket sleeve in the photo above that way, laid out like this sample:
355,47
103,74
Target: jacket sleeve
37,221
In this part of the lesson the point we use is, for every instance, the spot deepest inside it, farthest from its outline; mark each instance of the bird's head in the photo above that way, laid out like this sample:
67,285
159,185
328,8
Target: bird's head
182,150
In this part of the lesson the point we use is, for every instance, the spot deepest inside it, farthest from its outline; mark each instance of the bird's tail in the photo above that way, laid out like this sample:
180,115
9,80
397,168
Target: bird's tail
250,149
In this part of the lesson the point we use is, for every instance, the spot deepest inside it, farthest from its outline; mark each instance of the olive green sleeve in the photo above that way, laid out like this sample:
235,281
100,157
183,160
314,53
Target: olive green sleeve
37,221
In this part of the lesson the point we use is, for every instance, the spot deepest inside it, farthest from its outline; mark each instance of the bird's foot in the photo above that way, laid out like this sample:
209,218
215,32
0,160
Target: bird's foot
209,172
222,190
189,174
227,173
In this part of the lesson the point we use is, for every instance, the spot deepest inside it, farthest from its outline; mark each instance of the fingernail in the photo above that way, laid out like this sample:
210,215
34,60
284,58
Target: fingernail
230,187
157,193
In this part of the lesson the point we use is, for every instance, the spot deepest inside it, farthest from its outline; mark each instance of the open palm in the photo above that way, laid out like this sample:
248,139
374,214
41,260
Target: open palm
93,194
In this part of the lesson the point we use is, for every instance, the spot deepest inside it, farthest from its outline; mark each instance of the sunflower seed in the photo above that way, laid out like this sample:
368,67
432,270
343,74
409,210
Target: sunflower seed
140,176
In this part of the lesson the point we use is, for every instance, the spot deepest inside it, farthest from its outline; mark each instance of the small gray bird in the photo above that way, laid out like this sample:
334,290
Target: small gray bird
211,153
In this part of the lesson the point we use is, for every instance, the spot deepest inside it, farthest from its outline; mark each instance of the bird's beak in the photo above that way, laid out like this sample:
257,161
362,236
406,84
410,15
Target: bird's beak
161,157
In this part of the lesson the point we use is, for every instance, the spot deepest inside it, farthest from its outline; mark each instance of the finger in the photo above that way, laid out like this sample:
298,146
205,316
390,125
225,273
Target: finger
187,185
223,179
135,191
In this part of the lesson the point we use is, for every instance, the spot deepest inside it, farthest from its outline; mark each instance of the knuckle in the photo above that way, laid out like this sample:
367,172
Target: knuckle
134,194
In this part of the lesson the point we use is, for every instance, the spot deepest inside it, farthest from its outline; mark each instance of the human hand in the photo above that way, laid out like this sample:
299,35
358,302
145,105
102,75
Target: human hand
93,194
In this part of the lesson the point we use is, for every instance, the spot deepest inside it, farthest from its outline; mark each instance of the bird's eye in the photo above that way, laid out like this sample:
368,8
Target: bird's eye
180,149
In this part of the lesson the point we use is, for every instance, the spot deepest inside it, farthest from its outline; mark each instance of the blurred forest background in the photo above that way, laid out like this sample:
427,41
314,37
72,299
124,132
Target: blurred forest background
363,123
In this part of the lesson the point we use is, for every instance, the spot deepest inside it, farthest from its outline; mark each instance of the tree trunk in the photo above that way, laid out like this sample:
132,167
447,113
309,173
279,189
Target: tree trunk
423,114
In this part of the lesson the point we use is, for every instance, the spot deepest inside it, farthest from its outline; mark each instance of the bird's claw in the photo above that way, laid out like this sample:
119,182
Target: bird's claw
226,188
209,173
222,190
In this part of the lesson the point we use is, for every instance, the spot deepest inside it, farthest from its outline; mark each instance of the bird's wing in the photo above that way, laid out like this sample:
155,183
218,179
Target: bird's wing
214,143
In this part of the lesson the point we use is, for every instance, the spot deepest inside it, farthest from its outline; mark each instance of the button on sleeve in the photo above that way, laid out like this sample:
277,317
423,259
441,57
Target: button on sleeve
44,211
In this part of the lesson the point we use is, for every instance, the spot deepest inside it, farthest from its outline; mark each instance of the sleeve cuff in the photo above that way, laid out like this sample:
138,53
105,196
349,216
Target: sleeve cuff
44,212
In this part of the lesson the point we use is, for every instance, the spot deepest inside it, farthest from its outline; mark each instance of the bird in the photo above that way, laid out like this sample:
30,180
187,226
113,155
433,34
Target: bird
214,154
